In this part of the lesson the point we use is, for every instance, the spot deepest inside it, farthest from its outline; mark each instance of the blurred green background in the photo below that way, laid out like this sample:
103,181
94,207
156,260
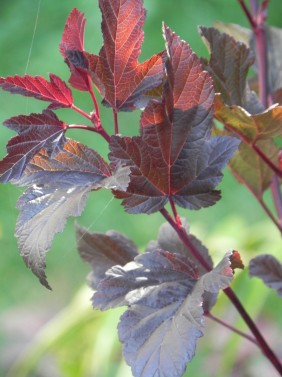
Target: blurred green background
50,334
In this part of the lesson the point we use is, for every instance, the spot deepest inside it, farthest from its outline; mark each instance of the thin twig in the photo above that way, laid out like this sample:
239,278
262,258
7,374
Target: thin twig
247,12
221,322
115,122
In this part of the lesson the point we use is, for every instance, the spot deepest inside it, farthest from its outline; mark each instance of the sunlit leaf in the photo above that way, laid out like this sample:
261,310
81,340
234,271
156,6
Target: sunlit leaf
54,91
251,170
35,131
71,44
175,155
120,78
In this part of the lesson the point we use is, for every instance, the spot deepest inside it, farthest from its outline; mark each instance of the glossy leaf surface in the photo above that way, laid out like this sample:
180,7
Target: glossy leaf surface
59,188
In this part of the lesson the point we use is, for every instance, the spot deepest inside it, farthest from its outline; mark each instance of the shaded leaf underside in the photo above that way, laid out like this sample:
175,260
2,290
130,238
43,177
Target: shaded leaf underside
165,317
269,269
59,188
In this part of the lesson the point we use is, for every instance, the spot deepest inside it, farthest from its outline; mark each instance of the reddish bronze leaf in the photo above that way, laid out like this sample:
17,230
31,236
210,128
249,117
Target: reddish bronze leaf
54,91
175,155
35,131
71,43
120,78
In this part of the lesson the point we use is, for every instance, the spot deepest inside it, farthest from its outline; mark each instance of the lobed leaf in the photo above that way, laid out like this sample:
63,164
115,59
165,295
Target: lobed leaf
175,157
228,65
251,170
258,130
54,91
35,131
164,319
116,72
58,188
169,240
103,251
72,43
269,269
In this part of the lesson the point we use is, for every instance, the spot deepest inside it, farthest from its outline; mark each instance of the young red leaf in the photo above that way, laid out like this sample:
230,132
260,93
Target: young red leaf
175,156
269,269
35,131
59,189
71,43
103,251
120,78
54,91
164,319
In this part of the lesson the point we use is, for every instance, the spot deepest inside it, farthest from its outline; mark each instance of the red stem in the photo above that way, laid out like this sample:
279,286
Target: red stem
257,20
184,236
115,122
277,198
82,112
247,12
92,94
260,340
244,335
99,131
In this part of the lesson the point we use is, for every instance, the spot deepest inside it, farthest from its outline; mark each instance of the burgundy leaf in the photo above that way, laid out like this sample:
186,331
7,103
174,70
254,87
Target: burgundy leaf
59,188
35,131
164,319
54,91
71,45
175,157
120,78
269,269
103,251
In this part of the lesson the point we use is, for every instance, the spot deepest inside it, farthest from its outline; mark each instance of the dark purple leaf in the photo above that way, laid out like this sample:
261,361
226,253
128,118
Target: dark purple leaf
175,157
169,240
103,251
165,318
269,269
59,188
54,91
35,131
228,65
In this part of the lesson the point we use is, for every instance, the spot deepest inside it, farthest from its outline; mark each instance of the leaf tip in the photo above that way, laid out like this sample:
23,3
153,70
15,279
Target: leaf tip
236,261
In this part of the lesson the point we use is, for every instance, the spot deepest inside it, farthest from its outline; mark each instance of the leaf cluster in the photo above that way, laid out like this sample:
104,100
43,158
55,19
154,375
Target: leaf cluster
175,159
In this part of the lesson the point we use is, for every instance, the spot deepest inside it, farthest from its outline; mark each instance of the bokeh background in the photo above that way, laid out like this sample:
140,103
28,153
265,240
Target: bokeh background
57,334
